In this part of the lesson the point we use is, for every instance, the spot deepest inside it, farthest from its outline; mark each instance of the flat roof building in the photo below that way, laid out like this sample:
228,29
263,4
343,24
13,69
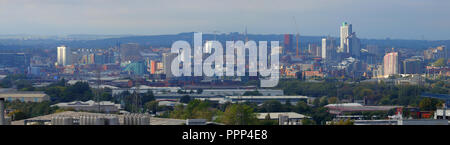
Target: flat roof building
356,107
104,106
25,96
284,118
262,99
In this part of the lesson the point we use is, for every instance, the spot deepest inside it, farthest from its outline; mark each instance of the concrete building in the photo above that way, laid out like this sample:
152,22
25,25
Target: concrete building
353,45
25,96
104,106
20,60
413,66
284,118
238,92
167,59
390,64
262,99
328,48
439,114
64,56
356,107
346,30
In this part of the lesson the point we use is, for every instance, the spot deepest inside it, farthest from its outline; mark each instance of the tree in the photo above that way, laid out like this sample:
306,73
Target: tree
18,115
323,101
320,115
308,122
441,62
272,106
185,99
238,114
23,110
429,104
333,100
196,109
152,106
302,108
147,97
316,102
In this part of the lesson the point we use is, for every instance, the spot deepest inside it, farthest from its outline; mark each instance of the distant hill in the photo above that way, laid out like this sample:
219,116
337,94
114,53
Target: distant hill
105,41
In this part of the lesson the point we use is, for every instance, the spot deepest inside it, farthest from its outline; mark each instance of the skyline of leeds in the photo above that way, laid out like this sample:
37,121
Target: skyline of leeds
401,19
226,72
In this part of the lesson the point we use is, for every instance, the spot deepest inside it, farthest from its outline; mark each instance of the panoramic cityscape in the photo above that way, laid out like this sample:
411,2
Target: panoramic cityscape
340,75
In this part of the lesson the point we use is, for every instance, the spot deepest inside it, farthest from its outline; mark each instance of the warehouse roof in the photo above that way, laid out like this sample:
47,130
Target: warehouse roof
22,94
274,115
267,97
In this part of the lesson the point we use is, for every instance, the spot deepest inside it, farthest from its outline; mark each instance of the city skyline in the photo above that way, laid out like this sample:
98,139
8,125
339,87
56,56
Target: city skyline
374,19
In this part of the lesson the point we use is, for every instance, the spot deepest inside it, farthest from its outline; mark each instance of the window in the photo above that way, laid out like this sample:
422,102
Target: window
36,100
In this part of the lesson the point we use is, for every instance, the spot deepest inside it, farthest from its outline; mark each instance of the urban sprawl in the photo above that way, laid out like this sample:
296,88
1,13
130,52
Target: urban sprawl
127,81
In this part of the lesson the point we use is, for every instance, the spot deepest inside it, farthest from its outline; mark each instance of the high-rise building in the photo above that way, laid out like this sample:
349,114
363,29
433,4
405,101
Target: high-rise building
151,66
413,66
287,45
20,60
346,30
390,64
328,48
167,62
353,45
64,56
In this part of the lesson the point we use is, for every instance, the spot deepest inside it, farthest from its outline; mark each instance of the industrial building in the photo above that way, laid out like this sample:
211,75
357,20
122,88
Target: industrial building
262,99
86,118
25,96
103,106
402,122
356,107
285,118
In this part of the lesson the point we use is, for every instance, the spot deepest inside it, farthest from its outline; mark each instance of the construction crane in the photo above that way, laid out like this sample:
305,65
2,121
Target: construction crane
297,35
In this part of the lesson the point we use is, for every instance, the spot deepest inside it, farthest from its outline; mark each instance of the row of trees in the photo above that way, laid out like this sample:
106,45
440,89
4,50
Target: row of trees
23,110
245,113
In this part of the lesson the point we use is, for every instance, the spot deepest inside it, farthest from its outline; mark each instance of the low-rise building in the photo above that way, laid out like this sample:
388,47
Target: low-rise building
103,106
439,114
285,118
25,96
356,107
262,99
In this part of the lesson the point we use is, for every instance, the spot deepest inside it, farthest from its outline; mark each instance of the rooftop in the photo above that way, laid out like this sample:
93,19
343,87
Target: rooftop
153,120
267,97
22,94
274,115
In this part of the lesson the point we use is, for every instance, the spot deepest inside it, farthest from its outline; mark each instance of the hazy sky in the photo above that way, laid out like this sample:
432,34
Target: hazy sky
407,19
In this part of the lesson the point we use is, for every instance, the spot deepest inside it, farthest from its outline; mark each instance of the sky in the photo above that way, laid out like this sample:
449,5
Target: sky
378,19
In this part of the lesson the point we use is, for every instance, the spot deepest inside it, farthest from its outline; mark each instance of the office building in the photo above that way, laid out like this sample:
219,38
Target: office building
353,45
167,62
287,45
20,60
346,30
64,56
25,96
413,66
390,64
328,48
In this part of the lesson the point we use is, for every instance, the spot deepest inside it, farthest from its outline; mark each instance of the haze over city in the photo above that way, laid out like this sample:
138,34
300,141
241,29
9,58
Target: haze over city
400,19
